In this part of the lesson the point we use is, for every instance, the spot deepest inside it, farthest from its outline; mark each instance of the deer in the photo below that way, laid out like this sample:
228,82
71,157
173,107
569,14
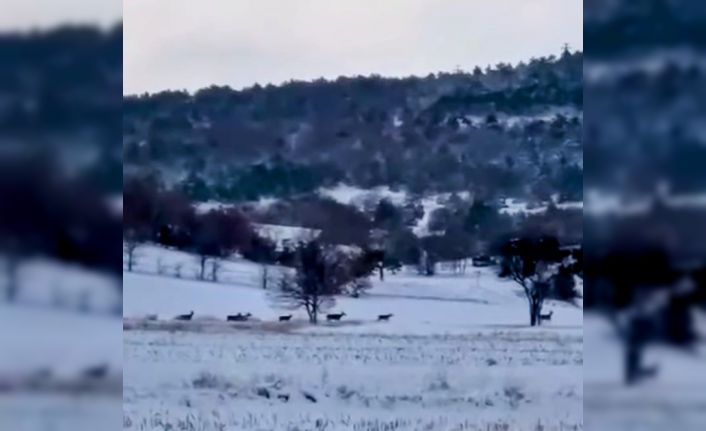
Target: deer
547,316
96,371
335,316
384,317
185,316
285,318
309,397
238,317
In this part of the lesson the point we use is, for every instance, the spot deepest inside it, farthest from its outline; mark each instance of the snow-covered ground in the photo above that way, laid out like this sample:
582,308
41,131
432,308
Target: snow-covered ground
358,197
603,204
457,354
673,399
261,381
58,412
516,207
365,199
47,283
63,342
60,326
350,195
281,235
46,355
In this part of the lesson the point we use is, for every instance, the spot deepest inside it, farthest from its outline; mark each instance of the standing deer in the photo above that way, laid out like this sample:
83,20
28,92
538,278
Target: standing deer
238,317
547,316
285,318
185,316
335,316
384,317
96,371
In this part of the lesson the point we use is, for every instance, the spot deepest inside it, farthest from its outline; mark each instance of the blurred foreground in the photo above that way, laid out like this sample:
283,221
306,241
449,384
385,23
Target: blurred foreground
60,226
645,216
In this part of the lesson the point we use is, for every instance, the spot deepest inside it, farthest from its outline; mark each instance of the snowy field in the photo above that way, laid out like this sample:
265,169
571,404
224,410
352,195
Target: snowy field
61,325
457,355
674,399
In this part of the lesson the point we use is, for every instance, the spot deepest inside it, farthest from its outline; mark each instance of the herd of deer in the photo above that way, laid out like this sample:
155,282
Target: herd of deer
329,317
285,318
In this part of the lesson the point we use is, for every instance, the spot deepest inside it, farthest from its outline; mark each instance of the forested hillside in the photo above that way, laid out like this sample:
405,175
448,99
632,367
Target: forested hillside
506,130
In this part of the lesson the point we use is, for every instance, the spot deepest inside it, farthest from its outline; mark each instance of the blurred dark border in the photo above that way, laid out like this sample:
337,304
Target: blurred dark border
645,215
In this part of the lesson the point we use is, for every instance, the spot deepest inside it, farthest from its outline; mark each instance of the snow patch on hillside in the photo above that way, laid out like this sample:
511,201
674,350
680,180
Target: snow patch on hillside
356,196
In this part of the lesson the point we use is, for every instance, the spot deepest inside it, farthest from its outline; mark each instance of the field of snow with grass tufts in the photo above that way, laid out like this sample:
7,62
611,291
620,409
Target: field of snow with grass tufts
458,353
672,399
61,360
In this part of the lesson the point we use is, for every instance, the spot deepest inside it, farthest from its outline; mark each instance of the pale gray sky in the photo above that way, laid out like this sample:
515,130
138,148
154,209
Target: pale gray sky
41,14
188,44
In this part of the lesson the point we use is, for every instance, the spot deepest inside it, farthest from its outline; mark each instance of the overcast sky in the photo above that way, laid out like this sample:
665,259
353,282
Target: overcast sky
32,14
188,44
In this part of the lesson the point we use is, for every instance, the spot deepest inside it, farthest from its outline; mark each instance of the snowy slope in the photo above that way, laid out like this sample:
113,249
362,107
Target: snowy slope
364,199
440,304
356,196
518,207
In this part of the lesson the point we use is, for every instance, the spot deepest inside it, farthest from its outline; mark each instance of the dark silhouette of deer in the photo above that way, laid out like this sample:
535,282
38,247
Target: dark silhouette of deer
96,371
309,397
185,316
238,317
384,317
283,397
335,316
285,318
547,316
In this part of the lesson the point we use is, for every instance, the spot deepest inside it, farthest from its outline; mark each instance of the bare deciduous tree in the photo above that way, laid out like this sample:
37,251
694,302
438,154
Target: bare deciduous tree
130,246
218,234
11,264
535,290
216,266
527,262
308,286
294,293
320,273
266,276
202,261
359,286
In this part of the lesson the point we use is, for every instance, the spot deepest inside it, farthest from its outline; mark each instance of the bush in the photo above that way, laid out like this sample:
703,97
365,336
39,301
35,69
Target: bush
564,285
